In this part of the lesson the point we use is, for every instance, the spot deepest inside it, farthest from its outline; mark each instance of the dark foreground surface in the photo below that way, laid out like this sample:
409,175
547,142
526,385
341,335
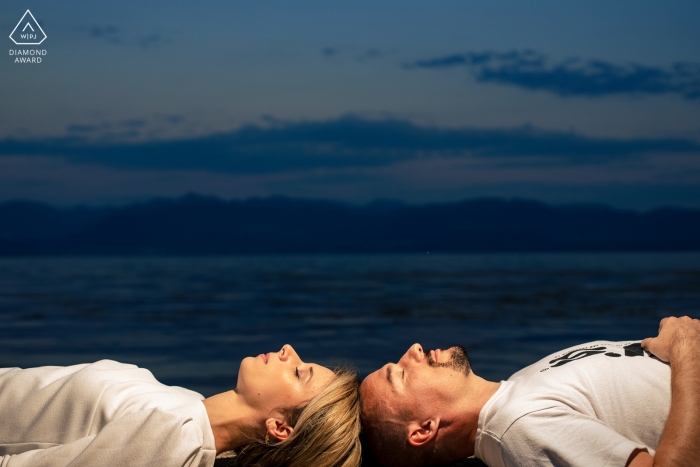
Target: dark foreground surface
231,462
468,463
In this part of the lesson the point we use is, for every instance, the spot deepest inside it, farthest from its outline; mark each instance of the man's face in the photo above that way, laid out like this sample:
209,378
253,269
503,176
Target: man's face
420,383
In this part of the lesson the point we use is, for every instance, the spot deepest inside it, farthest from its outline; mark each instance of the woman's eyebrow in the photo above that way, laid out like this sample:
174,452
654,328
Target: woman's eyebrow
311,372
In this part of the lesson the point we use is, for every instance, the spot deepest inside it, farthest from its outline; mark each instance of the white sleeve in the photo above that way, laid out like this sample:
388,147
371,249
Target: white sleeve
563,437
146,438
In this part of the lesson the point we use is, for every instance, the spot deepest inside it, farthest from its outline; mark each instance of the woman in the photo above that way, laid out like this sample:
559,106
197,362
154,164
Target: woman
283,412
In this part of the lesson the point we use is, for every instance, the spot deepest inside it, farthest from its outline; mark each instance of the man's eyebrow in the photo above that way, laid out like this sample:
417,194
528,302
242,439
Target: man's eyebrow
388,374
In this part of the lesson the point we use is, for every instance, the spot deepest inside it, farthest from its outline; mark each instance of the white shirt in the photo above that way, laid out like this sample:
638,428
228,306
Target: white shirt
589,405
100,414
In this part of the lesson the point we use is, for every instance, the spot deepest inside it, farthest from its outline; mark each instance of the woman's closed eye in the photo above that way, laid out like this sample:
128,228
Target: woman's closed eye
296,371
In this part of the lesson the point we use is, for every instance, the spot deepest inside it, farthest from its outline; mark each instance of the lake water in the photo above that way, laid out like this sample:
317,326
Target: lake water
191,320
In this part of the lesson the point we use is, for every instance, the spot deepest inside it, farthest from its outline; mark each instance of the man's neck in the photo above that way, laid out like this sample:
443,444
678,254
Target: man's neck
231,420
478,394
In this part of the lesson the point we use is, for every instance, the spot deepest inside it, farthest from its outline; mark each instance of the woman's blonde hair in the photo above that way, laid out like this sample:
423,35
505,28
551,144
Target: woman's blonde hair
326,431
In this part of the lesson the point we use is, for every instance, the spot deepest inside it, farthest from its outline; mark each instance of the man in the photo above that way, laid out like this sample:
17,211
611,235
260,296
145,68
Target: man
598,404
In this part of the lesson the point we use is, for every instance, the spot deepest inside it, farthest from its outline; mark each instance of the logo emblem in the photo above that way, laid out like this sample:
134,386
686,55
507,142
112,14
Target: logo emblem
28,31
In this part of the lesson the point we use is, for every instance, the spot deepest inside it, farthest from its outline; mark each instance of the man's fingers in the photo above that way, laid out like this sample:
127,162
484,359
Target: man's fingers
650,345
672,332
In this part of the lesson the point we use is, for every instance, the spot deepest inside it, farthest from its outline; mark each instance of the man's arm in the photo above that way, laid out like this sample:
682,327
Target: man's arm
678,342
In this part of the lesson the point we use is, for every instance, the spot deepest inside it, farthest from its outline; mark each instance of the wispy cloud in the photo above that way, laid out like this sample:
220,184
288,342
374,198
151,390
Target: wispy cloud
133,123
174,119
345,142
107,33
329,51
117,36
82,128
572,77
149,40
107,131
356,53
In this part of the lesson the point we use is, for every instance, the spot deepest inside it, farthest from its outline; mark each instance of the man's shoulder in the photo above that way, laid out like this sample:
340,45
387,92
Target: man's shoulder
512,407
501,420
510,403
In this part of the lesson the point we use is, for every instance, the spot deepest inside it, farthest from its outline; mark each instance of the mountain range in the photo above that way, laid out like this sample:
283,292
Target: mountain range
196,224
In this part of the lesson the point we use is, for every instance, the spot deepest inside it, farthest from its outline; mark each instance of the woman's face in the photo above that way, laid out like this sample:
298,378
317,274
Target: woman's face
279,379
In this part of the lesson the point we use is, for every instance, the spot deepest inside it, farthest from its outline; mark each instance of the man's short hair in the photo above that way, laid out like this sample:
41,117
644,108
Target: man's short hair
385,434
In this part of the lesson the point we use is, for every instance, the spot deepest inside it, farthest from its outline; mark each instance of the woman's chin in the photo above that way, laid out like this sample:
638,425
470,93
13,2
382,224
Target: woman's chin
245,367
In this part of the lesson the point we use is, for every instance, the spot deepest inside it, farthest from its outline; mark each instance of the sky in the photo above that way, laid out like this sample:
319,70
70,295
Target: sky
562,102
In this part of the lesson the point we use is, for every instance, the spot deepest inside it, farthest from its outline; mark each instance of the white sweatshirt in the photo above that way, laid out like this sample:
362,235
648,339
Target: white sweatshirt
100,414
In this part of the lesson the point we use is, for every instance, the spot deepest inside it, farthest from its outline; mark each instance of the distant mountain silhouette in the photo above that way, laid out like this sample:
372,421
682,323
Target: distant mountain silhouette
200,225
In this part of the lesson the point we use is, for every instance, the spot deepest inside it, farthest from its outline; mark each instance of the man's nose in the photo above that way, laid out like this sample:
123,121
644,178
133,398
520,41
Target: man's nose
414,354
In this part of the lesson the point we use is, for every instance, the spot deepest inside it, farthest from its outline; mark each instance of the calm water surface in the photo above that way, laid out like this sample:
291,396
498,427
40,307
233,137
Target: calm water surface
191,320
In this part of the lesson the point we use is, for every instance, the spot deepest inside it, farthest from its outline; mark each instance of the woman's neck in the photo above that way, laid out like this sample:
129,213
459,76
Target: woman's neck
231,421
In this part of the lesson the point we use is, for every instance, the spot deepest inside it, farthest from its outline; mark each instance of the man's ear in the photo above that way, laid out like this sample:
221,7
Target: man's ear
278,428
420,434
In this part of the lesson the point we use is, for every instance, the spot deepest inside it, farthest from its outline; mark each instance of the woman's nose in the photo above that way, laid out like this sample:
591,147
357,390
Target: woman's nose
287,353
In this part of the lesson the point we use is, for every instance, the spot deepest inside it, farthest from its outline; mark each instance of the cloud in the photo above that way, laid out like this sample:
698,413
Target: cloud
573,77
371,53
114,35
133,123
108,130
149,41
174,119
82,128
345,143
356,53
329,51
108,33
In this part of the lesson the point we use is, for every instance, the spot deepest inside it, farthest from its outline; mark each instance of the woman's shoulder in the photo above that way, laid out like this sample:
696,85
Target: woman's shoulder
112,365
83,374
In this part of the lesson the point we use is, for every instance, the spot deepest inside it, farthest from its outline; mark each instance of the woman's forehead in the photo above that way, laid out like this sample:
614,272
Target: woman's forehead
322,375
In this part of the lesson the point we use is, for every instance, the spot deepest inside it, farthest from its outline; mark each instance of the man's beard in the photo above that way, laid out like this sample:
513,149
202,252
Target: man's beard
459,360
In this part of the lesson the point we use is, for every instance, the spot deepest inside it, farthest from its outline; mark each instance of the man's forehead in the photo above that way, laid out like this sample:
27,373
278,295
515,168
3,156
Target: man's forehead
376,385
378,396
367,384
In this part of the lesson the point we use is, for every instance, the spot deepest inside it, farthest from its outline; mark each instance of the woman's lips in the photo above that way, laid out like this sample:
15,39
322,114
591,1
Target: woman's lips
264,357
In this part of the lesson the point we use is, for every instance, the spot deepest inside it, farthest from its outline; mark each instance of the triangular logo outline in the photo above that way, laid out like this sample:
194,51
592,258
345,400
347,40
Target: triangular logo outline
37,25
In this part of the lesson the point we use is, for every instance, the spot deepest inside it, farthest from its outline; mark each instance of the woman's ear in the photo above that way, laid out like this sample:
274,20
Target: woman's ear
278,428
418,435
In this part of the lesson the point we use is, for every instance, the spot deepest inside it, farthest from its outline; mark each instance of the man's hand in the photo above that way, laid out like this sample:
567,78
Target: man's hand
673,332
679,344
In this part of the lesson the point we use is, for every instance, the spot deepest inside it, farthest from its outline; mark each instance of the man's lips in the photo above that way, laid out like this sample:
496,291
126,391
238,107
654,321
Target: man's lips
264,357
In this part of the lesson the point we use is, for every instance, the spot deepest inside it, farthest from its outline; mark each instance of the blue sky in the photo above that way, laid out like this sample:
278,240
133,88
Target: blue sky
565,102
